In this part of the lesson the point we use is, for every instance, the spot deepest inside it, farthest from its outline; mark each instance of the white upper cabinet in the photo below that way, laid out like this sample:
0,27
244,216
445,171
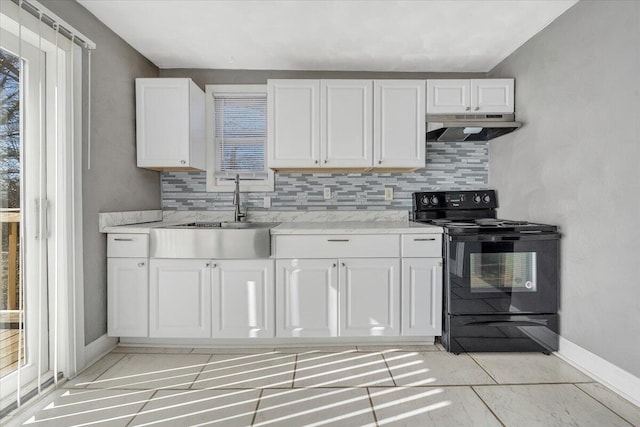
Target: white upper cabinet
293,134
448,96
346,123
399,124
170,124
486,96
492,96
243,299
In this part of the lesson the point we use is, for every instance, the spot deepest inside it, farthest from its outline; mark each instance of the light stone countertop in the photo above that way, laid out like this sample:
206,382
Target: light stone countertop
337,227
355,227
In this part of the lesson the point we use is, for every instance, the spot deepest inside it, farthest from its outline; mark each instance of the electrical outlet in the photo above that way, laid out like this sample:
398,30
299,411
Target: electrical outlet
266,202
388,193
327,193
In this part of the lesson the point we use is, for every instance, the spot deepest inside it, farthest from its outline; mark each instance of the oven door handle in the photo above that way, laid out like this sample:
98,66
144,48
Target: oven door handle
511,237
497,323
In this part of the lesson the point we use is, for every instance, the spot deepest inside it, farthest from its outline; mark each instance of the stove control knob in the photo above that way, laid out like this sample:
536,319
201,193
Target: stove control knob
476,198
486,198
424,200
434,200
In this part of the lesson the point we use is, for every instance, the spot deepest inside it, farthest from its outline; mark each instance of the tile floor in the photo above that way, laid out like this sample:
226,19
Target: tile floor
333,386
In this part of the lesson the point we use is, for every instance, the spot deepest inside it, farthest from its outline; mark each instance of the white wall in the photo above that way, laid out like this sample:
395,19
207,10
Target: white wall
576,163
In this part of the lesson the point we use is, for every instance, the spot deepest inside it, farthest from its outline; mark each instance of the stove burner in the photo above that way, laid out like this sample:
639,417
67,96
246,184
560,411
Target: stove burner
498,222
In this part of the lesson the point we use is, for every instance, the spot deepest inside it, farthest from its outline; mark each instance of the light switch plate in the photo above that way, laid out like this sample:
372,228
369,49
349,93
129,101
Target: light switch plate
388,193
327,193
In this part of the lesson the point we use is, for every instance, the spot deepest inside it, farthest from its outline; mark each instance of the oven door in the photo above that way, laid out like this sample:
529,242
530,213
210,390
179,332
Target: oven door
510,273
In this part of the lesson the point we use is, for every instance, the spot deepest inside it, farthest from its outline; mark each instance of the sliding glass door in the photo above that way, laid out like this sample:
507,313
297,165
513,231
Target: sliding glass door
24,296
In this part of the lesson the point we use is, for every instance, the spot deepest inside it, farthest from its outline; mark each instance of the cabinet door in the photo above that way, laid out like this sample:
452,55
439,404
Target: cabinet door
422,296
399,124
163,122
180,298
306,298
448,96
492,96
127,297
370,297
243,299
346,118
293,134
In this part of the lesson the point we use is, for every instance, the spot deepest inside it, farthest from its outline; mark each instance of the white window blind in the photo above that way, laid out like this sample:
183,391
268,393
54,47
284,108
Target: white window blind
240,135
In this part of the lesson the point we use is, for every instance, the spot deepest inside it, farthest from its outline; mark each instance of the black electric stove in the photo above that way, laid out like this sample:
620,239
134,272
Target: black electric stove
500,275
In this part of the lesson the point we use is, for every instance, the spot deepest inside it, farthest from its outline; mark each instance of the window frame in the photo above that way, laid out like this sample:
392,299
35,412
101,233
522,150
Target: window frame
215,184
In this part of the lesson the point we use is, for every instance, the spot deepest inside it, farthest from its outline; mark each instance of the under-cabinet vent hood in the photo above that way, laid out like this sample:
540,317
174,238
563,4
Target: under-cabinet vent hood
469,127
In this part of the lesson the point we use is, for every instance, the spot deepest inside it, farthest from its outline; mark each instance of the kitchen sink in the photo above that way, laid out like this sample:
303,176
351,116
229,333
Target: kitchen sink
212,240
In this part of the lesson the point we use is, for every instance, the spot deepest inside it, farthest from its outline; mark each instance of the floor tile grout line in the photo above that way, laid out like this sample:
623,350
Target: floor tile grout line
487,405
602,403
102,372
482,367
389,369
255,412
142,407
195,379
373,409
295,370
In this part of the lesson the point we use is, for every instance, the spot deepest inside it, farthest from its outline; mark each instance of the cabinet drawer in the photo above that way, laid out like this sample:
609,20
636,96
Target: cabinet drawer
127,245
338,246
422,245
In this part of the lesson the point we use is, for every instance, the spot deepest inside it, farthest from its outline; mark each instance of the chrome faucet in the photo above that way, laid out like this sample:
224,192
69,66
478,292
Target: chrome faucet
238,216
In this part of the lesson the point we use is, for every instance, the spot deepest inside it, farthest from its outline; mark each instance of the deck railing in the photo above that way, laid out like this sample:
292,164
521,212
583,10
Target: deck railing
10,221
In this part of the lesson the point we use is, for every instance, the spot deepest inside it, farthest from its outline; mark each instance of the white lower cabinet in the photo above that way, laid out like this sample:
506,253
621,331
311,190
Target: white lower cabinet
127,297
369,297
422,296
306,298
180,298
243,299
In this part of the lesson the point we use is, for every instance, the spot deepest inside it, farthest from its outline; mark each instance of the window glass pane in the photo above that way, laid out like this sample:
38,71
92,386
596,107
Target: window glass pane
240,125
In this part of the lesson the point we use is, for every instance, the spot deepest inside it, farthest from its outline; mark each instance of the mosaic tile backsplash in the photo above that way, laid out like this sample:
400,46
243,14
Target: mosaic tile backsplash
449,166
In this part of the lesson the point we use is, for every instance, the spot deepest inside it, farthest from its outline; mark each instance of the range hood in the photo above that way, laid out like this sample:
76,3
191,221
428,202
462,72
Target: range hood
469,127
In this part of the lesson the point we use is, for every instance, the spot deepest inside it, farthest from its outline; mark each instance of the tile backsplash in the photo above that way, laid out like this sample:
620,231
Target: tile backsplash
449,166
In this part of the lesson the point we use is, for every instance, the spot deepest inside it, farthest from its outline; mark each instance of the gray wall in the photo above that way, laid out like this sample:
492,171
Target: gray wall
114,183
576,163
448,166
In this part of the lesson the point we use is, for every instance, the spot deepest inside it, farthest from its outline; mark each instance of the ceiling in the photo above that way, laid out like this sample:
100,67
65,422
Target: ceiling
345,35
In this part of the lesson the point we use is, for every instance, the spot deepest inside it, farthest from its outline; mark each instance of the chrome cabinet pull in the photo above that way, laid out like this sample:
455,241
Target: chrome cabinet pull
431,239
334,265
141,264
337,240
326,161
344,265
117,239
477,108
467,109
316,162
182,162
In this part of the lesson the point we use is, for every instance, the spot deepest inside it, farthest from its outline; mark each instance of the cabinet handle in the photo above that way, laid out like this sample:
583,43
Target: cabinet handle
379,162
343,264
325,161
122,240
467,109
334,265
316,162
477,108
337,240
211,265
431,239
141,264
183,162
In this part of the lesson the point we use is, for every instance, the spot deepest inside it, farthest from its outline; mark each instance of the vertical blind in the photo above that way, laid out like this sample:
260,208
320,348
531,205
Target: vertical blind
240,135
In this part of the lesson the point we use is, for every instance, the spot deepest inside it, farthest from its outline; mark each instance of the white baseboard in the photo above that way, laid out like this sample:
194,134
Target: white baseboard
98,348
617,379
